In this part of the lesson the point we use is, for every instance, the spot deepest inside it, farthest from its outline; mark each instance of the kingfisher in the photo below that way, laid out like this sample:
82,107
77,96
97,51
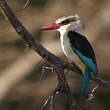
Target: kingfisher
76,47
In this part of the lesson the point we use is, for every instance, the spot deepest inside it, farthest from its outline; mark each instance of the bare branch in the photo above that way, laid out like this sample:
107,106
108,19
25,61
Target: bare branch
91,95
25,5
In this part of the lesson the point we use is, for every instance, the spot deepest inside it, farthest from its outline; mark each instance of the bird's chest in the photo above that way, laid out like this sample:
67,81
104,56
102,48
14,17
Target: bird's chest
71,55
66,46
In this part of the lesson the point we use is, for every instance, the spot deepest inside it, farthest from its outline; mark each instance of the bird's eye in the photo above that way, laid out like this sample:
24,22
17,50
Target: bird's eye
65,22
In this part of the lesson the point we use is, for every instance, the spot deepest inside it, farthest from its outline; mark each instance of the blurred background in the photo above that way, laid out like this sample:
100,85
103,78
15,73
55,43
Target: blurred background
21,68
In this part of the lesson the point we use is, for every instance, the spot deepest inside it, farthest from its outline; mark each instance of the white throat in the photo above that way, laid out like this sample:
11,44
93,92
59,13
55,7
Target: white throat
65,43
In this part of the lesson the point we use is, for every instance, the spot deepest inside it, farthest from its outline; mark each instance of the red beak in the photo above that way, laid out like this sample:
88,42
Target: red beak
50,27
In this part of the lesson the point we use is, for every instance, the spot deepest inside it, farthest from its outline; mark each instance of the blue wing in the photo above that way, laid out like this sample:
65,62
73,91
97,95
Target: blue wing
86,71
83,49
86,60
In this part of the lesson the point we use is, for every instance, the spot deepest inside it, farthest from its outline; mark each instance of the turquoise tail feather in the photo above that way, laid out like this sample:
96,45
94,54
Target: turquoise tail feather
86,78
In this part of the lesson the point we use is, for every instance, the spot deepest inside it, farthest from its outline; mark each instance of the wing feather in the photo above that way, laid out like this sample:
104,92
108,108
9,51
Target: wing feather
80,42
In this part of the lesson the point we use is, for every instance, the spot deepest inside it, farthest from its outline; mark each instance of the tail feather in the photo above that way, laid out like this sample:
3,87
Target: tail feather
86,79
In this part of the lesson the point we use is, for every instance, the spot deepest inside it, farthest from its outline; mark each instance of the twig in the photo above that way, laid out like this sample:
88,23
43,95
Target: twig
43,71
25,5
47,100
51,98
91,95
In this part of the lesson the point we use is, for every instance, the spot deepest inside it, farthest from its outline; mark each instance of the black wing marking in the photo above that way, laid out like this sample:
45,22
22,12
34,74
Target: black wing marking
79,42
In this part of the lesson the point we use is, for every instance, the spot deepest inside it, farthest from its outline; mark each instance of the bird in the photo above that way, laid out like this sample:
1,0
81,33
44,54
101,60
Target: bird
76,47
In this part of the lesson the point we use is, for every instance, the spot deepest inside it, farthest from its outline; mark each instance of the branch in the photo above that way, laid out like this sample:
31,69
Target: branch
23,7
58,64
